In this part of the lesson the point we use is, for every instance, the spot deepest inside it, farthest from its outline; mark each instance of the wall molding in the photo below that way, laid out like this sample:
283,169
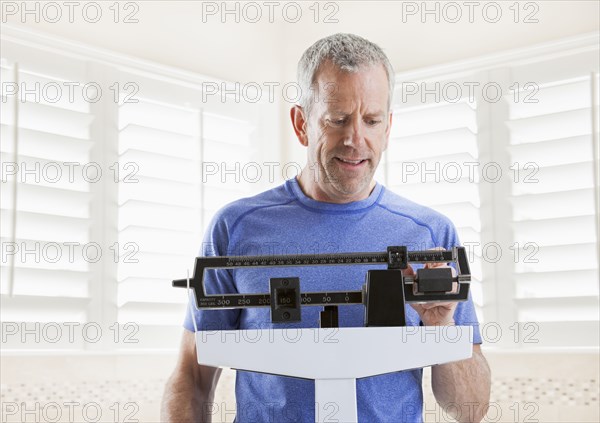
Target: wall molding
534,53
558,48
123,62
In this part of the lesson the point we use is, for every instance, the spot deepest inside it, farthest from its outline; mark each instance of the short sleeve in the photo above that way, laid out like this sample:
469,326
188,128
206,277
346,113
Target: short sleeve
464,314
216,281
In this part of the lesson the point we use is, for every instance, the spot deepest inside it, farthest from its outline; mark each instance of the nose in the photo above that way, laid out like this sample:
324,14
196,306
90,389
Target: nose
355,136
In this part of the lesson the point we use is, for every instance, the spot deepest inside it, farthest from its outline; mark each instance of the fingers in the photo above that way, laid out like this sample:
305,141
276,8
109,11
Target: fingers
433,265
429,306
409,271
436,264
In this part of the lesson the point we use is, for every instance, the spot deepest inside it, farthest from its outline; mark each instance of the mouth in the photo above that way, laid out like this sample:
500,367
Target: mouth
351,163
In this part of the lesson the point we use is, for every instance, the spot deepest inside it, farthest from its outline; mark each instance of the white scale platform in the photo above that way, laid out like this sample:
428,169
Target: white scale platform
334,357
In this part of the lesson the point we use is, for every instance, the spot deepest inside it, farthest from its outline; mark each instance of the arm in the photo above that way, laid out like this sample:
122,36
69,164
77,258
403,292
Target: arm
462,388
189,391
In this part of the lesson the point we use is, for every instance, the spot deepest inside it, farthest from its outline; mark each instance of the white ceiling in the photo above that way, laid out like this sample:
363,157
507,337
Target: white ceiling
172,33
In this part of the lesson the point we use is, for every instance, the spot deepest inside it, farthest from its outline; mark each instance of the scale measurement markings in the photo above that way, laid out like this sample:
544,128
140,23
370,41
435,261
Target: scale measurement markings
332,259
394,257
264,300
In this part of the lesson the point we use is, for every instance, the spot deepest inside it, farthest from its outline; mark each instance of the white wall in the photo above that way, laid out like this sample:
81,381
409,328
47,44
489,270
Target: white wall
173,33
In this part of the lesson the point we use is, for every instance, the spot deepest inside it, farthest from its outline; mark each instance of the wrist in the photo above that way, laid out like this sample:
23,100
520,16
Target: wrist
449,322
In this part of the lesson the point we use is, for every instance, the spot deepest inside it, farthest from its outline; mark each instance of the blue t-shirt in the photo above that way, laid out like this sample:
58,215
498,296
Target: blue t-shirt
285,221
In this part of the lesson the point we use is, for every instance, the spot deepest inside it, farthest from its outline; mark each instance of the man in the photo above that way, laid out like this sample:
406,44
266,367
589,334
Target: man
334,205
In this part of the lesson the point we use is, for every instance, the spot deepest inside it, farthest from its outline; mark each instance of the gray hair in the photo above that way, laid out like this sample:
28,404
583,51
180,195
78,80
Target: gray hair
349,53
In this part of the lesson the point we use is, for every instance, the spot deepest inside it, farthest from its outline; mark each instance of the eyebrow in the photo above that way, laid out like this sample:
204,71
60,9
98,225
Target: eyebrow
377,113
337,112
342,112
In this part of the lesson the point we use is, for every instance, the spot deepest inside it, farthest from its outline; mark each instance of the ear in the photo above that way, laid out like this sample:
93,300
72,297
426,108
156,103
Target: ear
387,131
299,124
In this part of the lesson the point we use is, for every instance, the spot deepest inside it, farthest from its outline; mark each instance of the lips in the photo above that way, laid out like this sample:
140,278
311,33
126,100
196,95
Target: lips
351,162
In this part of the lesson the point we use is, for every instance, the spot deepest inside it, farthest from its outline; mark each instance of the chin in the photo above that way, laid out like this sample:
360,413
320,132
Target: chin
351,188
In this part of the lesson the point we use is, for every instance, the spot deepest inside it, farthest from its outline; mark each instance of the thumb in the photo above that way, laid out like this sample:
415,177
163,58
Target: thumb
409,271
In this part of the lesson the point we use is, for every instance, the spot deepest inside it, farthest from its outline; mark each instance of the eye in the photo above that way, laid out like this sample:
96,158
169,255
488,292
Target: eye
337,122
373,122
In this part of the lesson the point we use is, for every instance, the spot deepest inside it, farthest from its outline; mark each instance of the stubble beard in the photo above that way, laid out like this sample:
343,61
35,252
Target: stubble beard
343,183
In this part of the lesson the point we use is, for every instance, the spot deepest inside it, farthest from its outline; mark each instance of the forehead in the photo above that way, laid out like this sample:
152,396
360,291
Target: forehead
369,84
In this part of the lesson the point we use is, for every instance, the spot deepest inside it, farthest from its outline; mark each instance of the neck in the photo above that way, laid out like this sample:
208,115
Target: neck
314,191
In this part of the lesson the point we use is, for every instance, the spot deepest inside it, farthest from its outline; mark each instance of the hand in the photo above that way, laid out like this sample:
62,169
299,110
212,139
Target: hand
437,313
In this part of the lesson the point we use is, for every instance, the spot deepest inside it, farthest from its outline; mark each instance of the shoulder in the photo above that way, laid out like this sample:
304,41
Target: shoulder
441,227
226,219
232,212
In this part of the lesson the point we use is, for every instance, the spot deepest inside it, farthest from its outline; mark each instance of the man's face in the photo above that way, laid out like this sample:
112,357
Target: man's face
347,131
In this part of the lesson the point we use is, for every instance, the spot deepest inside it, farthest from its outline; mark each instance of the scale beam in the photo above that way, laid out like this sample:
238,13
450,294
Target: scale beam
425,286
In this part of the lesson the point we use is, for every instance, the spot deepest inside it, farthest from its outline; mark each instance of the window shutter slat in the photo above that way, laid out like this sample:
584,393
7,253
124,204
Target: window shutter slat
51,274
